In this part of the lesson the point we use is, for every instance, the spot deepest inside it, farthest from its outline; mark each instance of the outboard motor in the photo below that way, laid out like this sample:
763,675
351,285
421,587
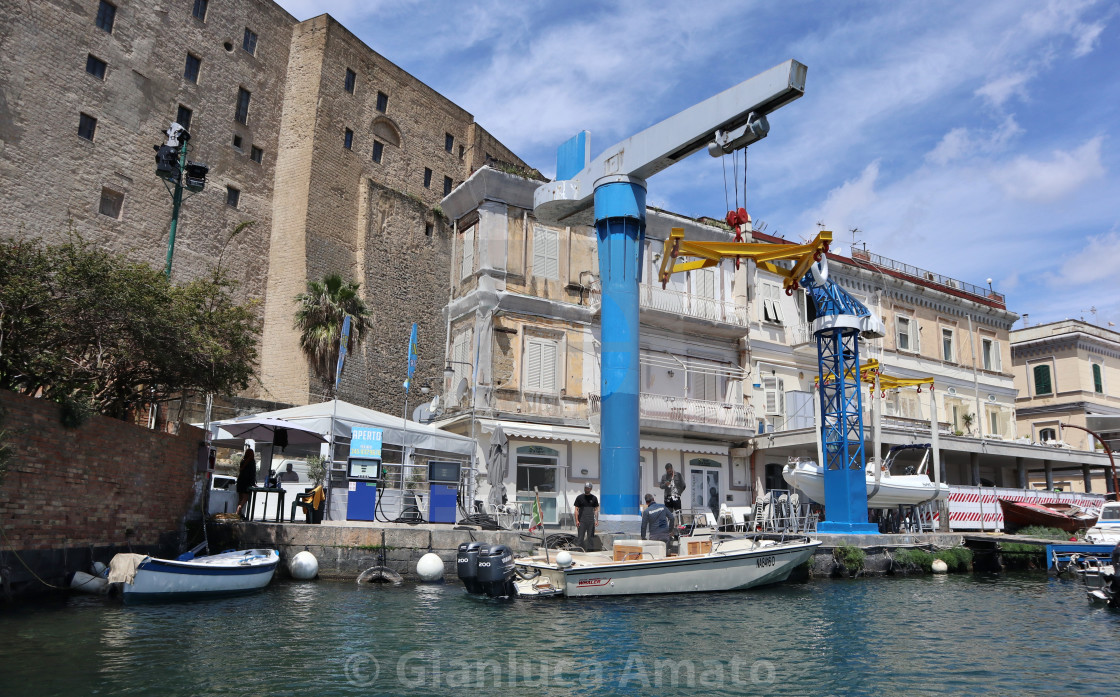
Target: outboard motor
495,570
466,564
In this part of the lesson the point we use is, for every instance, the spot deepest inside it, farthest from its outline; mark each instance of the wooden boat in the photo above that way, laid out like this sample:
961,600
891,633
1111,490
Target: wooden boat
1064,516
229,573
634,567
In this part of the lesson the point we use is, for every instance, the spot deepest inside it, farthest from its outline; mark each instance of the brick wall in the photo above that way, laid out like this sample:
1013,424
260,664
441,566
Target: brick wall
104,483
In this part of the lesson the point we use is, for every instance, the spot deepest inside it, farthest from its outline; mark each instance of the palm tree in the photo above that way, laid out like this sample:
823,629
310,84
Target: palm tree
319,316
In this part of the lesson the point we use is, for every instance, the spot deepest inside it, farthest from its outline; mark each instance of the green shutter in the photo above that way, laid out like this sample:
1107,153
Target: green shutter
1098,382
1042,380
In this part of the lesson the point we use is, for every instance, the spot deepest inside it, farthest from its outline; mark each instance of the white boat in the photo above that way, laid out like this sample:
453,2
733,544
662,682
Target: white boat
229,573
634,567
1107,529
890,491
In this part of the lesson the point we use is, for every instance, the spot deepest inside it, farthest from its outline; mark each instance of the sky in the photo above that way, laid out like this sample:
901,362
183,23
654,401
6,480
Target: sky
976,140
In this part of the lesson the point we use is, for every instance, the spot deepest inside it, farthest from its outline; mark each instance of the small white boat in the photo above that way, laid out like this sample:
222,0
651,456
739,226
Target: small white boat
229,573
1107,529
634,567
891,491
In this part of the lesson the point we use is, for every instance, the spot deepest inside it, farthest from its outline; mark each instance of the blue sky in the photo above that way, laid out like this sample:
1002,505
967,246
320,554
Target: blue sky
976,140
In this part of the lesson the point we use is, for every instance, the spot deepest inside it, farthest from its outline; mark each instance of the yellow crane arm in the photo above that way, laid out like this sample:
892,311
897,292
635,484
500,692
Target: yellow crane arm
711,253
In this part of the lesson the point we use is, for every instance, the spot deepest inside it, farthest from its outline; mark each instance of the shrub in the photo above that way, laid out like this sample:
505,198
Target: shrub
850,557
956,558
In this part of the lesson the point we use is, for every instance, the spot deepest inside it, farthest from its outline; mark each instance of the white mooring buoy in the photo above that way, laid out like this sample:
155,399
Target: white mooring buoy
304,566
939,566
430,567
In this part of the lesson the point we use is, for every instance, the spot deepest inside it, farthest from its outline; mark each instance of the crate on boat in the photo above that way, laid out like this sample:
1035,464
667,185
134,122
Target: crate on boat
628,550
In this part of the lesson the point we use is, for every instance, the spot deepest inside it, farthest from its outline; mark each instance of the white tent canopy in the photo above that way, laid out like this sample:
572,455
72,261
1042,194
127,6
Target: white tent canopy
345,416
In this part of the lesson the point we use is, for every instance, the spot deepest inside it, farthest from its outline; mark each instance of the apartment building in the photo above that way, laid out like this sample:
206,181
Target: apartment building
955,332
523,347
336,156
1067,373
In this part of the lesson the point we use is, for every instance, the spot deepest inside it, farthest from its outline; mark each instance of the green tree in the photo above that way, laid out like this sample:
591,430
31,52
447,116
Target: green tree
85,327
320,313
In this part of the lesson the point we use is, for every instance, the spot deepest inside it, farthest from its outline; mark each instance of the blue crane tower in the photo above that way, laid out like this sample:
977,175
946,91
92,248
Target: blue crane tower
609,191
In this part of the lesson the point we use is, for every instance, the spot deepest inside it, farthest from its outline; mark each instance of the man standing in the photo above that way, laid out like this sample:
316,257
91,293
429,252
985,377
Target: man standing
672,483
656,521
587,517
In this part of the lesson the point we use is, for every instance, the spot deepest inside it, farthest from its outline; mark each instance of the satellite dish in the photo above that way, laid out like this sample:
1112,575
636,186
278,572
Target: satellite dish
421,413
434,406
460,390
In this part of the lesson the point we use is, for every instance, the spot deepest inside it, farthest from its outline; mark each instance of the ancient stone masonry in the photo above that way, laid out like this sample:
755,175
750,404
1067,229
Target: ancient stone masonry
340,161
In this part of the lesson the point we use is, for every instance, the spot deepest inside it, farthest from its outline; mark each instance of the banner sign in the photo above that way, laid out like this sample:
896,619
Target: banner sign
365,443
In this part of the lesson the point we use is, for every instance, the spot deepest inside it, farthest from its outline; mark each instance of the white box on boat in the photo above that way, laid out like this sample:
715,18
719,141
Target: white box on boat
638,549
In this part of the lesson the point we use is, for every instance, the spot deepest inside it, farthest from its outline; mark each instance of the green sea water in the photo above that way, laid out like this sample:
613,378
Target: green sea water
957,635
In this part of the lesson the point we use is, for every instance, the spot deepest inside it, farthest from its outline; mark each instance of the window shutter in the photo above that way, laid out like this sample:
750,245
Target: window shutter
1042,380
548,367
468,253
706,283
1098,381
532,365
997,357
546,253
540,365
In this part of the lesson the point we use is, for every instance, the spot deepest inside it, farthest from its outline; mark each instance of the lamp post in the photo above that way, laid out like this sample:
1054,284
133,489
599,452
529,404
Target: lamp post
171,166
1107,450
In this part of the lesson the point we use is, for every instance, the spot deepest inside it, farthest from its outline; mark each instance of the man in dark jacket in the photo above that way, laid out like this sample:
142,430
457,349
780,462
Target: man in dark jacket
672,483
656,521
587,517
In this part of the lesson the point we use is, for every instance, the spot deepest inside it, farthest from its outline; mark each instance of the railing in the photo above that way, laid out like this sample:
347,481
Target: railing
929,276
696,411
676,302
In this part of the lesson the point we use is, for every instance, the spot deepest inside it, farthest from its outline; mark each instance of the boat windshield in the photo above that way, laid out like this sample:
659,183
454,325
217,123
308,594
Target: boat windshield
1110,513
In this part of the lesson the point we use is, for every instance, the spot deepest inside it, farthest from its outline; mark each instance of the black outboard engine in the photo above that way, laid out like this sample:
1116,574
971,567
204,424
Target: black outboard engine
466,564
495,570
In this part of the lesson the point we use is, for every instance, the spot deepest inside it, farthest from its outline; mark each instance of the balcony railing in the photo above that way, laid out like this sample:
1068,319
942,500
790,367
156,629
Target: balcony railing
676,302
929,276
696,411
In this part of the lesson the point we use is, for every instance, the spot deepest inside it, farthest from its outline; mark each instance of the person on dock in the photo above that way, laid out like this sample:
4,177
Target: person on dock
672,483
587,517
246,478
656,521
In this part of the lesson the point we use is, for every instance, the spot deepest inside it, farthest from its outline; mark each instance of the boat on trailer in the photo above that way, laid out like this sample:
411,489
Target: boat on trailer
891,489
708,563
144,578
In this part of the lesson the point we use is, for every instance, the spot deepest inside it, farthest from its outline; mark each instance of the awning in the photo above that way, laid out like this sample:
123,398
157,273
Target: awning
522,429
707,448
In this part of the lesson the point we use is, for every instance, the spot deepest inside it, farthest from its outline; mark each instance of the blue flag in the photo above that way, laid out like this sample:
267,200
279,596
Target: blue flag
343,340
413,357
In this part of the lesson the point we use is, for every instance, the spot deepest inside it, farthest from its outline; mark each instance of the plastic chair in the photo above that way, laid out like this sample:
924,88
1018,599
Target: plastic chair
311,501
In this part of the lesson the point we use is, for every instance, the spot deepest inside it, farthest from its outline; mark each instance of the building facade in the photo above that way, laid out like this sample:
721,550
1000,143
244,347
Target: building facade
1066,373
336,156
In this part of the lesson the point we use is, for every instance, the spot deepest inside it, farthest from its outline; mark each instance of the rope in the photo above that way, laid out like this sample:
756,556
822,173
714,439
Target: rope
744,177
726,202
21,561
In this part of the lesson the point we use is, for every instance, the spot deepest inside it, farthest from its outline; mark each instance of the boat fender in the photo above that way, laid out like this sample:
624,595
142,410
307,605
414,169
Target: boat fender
380,574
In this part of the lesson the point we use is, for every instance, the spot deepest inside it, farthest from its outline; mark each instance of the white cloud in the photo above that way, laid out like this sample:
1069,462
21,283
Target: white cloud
845,206
1031,179
1087,38
999,90
1093,263
961,143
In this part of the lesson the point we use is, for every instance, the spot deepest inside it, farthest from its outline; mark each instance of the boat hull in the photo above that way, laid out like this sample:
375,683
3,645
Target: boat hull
894,491
229,573
1025,514
728,567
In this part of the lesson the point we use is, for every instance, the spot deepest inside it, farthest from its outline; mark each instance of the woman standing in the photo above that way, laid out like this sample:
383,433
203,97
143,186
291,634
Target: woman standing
246,478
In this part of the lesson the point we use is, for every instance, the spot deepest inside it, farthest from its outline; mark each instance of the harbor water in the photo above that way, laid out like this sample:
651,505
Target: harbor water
956,635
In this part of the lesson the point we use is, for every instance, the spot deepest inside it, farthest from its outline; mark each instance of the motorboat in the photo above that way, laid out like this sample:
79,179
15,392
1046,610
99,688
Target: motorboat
1107,528
707,563
1064,516
891,489
142,577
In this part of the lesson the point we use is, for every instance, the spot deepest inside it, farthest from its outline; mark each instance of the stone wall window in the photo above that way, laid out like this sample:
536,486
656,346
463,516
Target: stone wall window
95,67
183,117
237,141
378,150
1042,382
192,68
348,139
243,97
446,185
87,126
233,196
448,142
382,102
111,203
351,78
427,178
106,16
256,154
249,43
199,11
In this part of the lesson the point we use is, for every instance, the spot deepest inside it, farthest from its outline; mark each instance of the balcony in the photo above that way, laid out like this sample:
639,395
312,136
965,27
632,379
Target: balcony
681,410
688,306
